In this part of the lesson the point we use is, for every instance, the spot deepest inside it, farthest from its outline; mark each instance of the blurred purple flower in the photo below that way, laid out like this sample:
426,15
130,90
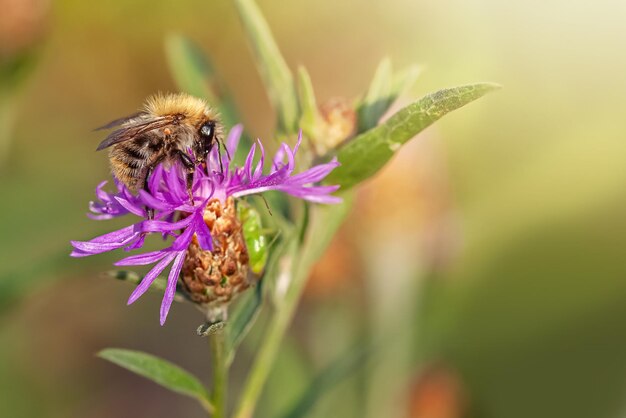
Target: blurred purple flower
175,216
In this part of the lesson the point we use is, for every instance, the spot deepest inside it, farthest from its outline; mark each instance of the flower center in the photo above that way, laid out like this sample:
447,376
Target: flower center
213,278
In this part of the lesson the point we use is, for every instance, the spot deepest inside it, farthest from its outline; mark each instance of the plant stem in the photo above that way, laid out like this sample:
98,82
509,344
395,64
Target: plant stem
293,273
269,348
217,343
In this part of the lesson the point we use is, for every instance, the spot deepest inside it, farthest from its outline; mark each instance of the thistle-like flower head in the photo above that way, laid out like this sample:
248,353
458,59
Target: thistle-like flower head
204,238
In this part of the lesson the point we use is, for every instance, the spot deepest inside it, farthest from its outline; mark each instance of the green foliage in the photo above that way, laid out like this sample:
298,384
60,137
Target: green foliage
384,89
325,221
274,71
311,116
194,74
374,103
190,68
243,316
14,72
363,156
344,366
159,371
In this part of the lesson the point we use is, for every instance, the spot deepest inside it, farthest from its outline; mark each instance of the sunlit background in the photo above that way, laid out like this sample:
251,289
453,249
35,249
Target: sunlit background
488,259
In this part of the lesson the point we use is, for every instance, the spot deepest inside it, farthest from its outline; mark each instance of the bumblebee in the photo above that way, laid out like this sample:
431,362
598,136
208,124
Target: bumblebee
170,128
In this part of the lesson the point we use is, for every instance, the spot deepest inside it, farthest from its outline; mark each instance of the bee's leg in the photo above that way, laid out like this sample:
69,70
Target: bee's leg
219,154
149,211
221,144
190,168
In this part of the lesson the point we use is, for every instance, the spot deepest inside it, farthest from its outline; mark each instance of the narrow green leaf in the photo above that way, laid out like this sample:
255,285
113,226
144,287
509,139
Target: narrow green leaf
287,291
341,368
402,82
383,92
311,116
242,317
159,371
271,65
362,157
189,67
193,73
375,101
325,220
14,72
246,310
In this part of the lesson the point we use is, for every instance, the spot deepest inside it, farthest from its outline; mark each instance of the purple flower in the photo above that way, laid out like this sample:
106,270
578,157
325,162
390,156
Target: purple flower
175,216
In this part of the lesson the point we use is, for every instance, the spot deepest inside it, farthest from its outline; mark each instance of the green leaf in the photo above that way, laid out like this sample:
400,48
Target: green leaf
383,92
14,72
271,65
374,103
402,82
246,310
362,157
286,293
159,371
243,315
189,67
311,116
193,73
341,368
325,221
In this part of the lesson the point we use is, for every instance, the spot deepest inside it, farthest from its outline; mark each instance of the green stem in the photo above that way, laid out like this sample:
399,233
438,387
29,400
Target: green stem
217,343
321,225
273,336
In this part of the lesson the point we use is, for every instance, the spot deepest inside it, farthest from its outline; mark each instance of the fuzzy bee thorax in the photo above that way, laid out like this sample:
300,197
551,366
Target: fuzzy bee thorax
193,110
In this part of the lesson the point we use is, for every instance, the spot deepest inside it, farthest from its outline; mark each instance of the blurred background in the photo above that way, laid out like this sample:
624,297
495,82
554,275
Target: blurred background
489,256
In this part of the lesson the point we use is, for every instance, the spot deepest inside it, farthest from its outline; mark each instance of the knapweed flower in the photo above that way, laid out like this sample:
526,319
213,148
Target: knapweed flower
204,239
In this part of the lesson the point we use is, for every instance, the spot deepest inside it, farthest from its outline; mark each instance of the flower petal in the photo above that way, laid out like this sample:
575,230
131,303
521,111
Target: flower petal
153,202
315,174
204,234
232,141
170,291
184,239
103,243
258,171
141,259
162,226
131,207
149,278
247,168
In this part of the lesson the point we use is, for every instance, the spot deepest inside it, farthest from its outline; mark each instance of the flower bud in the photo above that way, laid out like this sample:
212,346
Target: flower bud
213,278
336,125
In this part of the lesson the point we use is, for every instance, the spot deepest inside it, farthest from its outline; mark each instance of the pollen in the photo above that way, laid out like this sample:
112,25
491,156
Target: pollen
213,278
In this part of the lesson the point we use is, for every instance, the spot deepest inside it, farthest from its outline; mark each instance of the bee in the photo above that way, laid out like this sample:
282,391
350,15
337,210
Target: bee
170,128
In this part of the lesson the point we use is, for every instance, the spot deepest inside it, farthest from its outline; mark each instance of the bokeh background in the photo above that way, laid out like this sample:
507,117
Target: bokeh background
489,256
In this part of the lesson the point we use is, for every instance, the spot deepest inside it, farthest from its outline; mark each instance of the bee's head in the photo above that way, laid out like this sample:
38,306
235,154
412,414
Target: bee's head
207,131
206,138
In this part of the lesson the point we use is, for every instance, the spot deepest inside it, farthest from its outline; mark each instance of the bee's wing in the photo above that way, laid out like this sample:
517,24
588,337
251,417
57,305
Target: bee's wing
129,132
120,121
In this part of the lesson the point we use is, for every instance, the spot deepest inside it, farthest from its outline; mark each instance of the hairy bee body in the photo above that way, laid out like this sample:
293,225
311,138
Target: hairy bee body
173,127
